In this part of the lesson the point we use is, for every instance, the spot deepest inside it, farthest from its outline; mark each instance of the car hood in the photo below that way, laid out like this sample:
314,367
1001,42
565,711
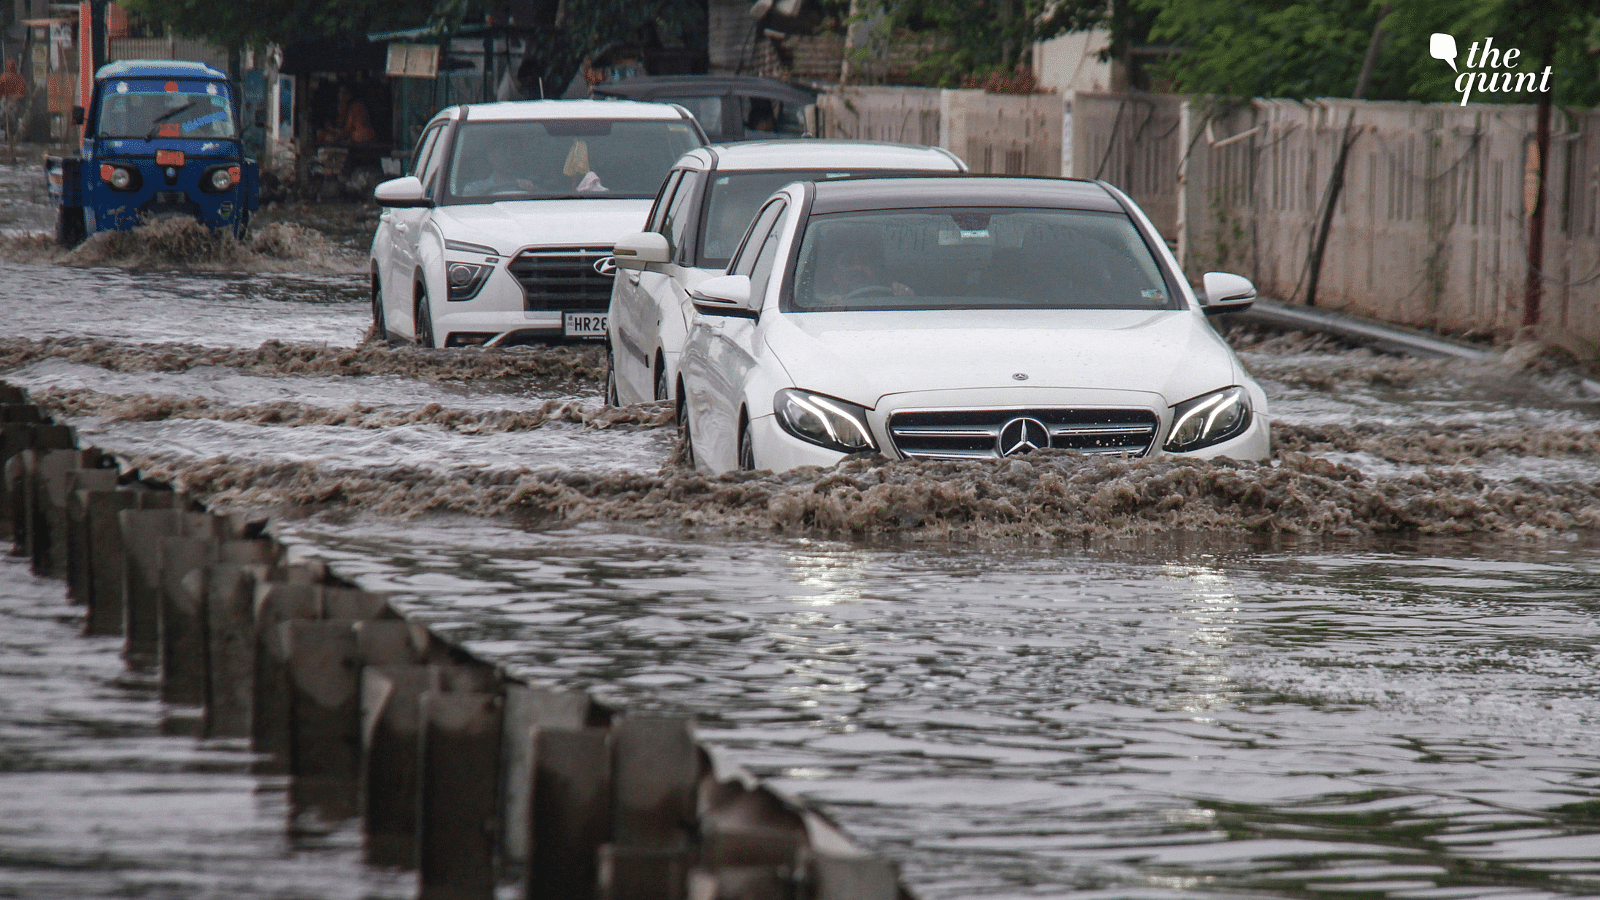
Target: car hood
864,356
511,225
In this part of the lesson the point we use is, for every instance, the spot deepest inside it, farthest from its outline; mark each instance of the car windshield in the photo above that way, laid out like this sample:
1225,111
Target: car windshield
976,258
144,108
734,198
584,158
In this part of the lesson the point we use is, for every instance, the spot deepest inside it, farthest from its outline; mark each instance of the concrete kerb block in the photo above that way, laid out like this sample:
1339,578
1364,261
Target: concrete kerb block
81,483
570,816
16,438
106,553
841,870
741,827
351,604
142,531
183,561
230,655
527,708
324,716
390,741
275,602
459,797
53,474
655,776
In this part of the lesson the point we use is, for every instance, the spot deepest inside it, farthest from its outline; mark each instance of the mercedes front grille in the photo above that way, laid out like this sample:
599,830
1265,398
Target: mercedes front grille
563,279
978,433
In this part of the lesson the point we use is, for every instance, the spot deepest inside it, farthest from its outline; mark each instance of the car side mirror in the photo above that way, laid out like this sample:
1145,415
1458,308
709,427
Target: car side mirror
77,115
724,295
402,193
1226,293
636,251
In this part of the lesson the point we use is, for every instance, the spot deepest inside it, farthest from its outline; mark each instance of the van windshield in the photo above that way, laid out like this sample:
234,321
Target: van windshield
147,109
576,158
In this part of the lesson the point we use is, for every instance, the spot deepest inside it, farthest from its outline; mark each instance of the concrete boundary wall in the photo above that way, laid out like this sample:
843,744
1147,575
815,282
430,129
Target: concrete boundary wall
1430,230
1003,134
476,781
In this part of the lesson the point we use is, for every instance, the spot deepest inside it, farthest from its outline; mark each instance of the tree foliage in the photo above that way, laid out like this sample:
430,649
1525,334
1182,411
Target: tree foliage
979,37
260,22
1315,48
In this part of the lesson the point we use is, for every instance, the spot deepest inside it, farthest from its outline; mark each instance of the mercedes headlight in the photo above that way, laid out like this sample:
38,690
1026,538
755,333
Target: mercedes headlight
1209,419
823,421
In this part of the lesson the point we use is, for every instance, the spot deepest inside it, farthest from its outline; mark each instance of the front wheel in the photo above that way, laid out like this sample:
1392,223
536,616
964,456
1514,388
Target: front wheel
685,439
380,325
662,393
612,397
70,228
424,324
747,448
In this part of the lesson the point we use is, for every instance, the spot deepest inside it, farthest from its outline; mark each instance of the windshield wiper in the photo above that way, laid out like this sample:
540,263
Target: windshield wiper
155,124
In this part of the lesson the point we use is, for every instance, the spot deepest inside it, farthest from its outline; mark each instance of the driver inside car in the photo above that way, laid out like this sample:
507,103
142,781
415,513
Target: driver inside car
855,269
503,177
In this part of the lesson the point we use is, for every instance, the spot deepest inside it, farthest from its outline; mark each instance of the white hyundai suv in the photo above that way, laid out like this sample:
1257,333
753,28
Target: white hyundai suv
503,233
701,213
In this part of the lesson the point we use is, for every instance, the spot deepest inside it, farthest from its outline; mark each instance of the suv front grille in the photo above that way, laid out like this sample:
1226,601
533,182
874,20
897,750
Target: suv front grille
975,433
564,279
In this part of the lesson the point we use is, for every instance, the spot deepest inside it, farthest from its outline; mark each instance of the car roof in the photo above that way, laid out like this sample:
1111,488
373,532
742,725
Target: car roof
522,110
158,68
644,87
860,194
815,154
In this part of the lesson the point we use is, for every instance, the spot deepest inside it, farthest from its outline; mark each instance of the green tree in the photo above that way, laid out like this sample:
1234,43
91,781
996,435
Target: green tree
979,37
1315,48
260,22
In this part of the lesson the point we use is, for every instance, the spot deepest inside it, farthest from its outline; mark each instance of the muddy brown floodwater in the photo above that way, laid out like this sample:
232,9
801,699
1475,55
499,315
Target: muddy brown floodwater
1365,668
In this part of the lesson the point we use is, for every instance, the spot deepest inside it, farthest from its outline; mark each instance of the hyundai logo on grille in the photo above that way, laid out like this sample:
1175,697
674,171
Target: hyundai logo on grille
606,266
1022,435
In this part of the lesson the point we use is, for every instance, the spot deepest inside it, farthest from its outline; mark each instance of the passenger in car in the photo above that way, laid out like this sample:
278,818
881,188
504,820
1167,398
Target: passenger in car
584,180
502,158
852,267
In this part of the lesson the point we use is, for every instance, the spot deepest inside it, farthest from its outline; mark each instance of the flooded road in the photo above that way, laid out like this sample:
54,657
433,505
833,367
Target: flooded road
1365,669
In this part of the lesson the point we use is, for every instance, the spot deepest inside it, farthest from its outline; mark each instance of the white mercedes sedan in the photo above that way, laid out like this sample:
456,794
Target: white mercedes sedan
502,234
960,318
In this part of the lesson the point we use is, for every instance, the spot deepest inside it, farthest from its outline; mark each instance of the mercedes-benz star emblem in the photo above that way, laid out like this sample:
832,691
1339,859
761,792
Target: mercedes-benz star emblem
1022,435
606,266
1020,376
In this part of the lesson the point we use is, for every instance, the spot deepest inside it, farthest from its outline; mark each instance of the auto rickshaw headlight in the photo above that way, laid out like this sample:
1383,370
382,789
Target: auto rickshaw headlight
221,180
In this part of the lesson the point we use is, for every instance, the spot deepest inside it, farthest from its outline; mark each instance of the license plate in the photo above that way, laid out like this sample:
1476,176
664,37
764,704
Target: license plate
590,325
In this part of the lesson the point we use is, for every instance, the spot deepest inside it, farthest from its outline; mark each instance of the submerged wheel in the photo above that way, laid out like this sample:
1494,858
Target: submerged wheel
380,326
661,381
424,320
685,442
747,448
70,227
612,398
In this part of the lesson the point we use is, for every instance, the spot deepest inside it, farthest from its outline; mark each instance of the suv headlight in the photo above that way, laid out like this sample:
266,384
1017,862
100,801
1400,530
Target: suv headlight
1209,419
823,421
465,279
